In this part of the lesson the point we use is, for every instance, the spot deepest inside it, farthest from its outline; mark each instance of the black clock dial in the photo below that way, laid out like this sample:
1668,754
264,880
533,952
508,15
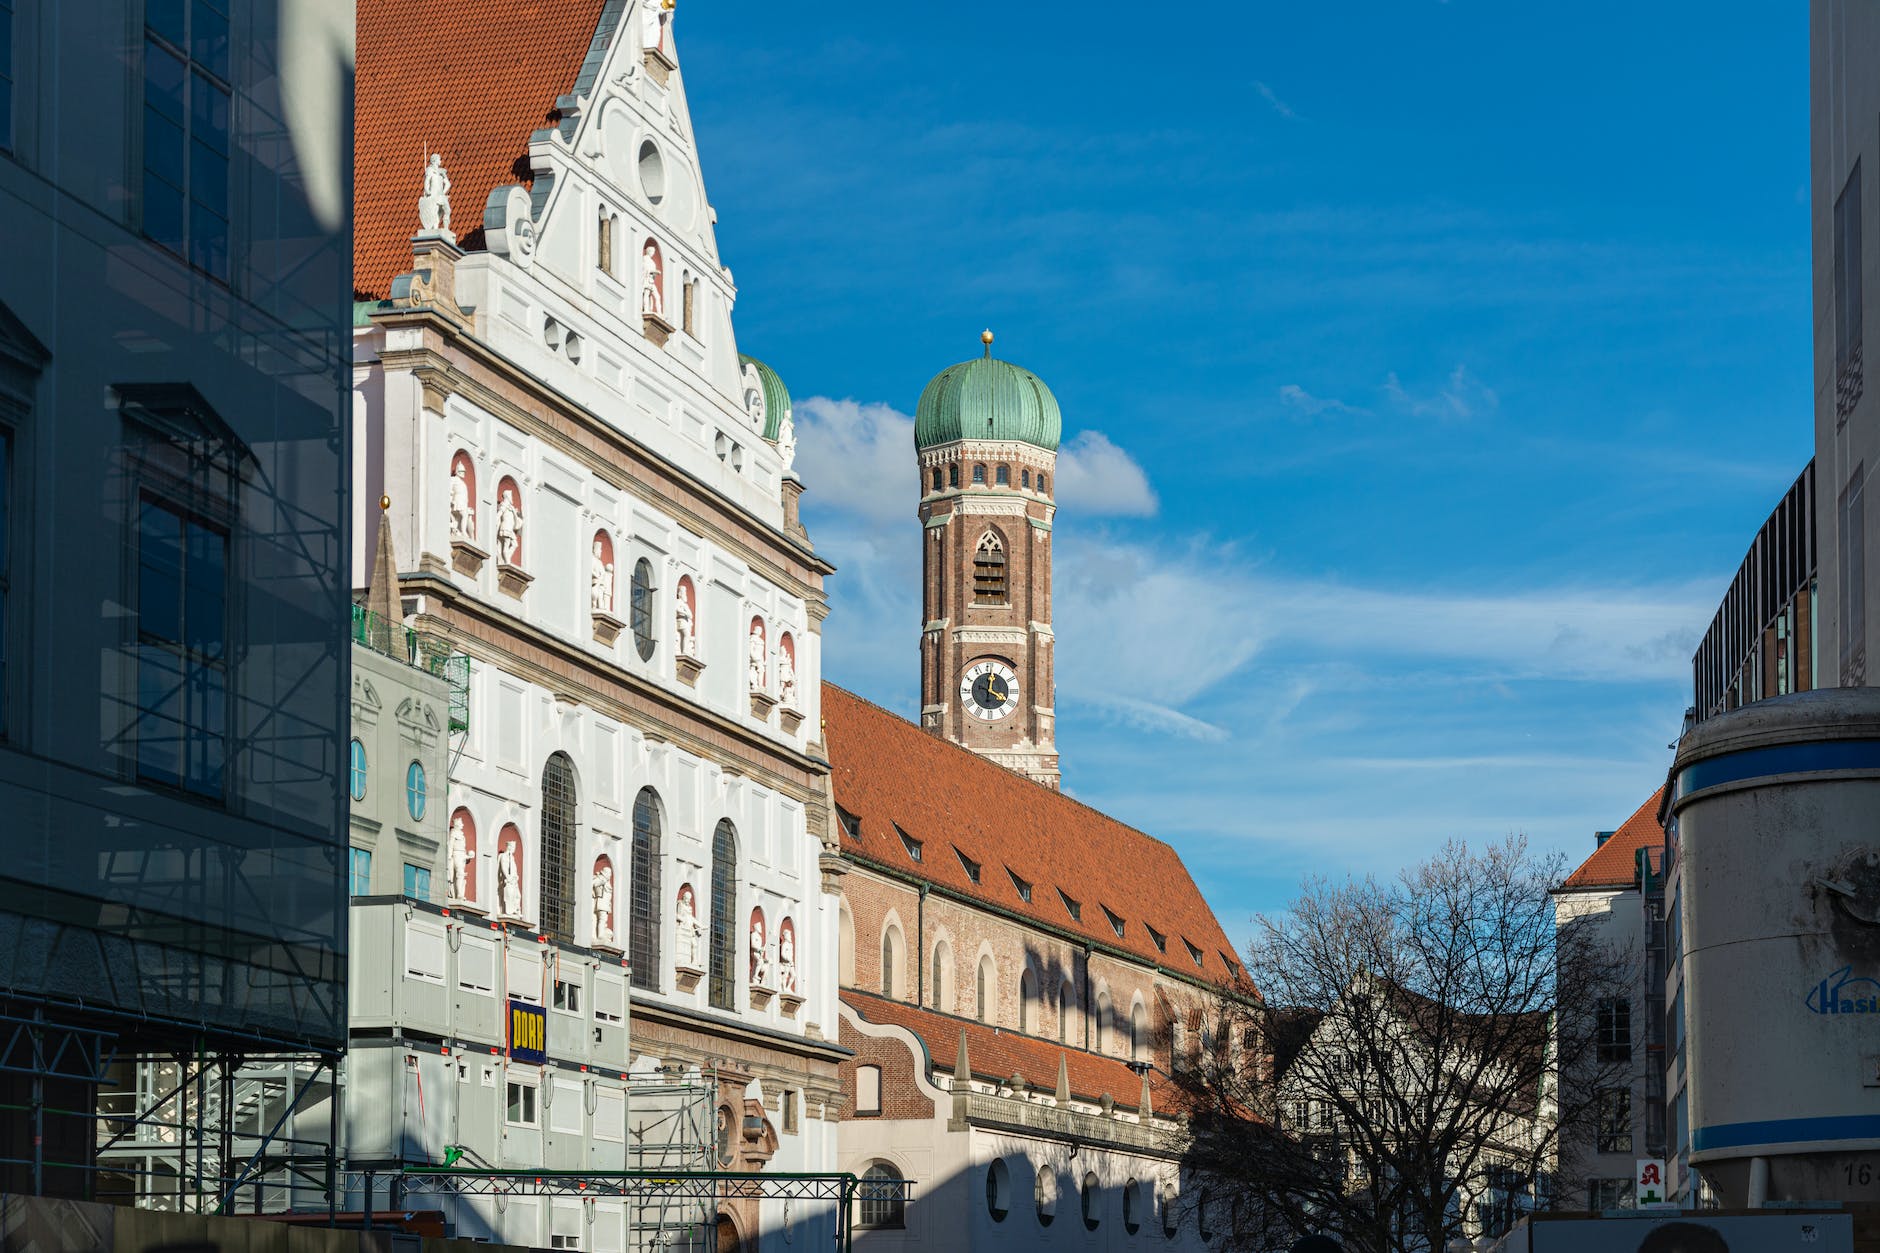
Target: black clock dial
989,691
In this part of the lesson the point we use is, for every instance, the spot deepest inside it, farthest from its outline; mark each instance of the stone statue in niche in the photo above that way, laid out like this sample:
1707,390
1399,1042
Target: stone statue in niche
786,958
508,882
754,652
683,611
652,300
434,204
653,21
760,956
686,929
509,528
600,580
463,514
786,441
786,679
459,859
601,888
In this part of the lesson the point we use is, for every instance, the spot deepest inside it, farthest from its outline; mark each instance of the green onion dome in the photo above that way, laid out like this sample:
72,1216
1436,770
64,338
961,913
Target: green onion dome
986,398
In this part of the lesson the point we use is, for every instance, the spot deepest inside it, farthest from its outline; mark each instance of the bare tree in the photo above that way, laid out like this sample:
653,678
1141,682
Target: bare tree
1395,1084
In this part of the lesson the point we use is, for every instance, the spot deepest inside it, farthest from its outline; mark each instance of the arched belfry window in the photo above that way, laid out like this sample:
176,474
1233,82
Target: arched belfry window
560,821
645,896
953,476
989,570
979,475
724,935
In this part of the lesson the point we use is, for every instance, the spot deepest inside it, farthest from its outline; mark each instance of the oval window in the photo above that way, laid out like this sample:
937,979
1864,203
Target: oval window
414,791
652,172
357,771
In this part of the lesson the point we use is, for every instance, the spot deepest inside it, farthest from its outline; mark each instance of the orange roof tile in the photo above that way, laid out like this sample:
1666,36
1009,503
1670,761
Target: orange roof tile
998,1054
471,79
1614,864
889,773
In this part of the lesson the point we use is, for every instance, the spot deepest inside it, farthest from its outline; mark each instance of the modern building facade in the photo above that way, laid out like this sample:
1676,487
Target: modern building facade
173,582
1844,191
592,490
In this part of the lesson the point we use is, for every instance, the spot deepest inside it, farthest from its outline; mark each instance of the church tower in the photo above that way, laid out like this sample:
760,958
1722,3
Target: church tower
986,434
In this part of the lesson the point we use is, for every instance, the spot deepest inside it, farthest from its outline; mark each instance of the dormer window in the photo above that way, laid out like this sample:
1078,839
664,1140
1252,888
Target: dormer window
1071,907
1160,940
909,842
971,867
851,825
1193,951
1023,888
1116,923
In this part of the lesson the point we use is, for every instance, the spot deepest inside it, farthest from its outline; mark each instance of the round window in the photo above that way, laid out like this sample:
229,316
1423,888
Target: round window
357,771
414,791
652,172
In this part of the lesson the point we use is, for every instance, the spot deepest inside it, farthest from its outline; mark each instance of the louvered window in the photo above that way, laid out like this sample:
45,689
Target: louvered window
989,571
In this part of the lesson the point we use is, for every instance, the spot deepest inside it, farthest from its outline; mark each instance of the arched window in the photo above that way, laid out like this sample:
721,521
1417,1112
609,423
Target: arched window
723,992
1138,1032
560,821
641,591
987,998
1063,1013
1171,1217
1003,476
645,896
357,780
880,1195
1093,1199
1041,482
943,977
1045,1193
1028,1002
979,476
890,960
1103,1022
936,478
1024,479
1132,1207
414,791
606,244
953,476
998,1189
989,570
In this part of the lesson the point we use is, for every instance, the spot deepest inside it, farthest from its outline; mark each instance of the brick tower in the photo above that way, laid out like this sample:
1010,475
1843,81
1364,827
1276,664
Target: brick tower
986,434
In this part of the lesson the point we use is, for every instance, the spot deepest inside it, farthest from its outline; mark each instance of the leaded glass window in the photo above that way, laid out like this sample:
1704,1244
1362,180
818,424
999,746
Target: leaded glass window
559,825
724,927
880,1196
642,598
644,892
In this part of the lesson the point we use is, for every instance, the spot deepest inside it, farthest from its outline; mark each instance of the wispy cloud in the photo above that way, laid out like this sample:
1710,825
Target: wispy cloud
1303,402
1461,396
1279,106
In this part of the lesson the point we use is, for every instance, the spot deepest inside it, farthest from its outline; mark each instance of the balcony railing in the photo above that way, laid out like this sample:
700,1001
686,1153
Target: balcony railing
421,652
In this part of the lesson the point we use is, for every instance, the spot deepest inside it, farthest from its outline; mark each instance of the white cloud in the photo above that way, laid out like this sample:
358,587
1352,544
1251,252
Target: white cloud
1279,106
1095,478
1460,397
1298,398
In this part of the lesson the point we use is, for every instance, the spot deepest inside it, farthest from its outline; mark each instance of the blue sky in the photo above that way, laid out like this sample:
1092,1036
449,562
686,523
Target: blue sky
1426,370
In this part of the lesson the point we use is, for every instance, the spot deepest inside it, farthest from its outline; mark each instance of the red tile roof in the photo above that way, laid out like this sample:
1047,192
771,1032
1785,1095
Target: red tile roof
471,79
996,1054
1614,864
888,773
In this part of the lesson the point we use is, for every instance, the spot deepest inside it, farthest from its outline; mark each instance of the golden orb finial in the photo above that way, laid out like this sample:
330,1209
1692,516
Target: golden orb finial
985,337
385,503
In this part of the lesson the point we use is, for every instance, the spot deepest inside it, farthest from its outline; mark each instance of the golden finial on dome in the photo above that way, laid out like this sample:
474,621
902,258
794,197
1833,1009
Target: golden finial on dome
985,337
385,503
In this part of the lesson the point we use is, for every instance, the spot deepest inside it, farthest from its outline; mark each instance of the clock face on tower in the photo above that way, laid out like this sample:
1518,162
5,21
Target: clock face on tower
989,690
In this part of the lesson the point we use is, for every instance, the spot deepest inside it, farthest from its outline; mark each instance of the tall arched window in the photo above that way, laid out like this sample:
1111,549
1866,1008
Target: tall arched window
989,570
953,476
560,822
1103,1022
943,977
881,1198
645,897
1028,1002
1002,477
986,1002
979,475
845,946
642,594
1138,1032
936,478
1063,1013
723,992
890,960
